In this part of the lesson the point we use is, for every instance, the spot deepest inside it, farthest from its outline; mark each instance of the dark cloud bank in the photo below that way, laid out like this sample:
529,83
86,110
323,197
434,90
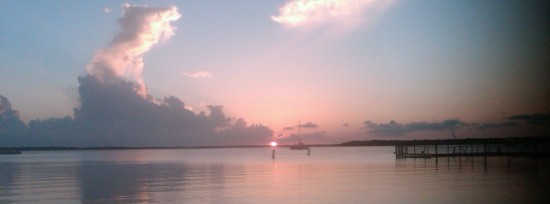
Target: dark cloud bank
115,114
538,123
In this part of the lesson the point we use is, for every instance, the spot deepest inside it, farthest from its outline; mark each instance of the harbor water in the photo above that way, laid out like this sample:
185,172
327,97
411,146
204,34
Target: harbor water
250,175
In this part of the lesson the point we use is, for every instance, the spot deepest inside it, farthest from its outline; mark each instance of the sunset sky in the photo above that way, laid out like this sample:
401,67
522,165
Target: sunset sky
355,69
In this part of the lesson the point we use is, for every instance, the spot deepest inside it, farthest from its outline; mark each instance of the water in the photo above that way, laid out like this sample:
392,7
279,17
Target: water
249,175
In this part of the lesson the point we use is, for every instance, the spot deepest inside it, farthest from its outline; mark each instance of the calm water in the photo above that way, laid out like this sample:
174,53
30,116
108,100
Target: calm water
249,175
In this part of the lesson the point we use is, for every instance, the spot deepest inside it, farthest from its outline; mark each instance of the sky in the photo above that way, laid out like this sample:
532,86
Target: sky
345,70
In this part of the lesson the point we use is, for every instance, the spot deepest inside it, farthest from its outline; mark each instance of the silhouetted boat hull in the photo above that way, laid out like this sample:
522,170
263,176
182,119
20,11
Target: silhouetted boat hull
299,146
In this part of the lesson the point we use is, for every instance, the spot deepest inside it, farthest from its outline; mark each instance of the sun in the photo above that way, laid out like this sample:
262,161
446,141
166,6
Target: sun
273,144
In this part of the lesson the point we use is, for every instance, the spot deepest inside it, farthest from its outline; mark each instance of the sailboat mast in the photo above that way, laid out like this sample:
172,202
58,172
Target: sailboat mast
299,138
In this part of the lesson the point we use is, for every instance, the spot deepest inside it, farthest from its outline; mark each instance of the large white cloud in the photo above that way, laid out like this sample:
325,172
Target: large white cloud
141,28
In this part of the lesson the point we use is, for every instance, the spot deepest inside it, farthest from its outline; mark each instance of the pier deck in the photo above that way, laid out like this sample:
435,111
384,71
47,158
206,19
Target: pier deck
472,150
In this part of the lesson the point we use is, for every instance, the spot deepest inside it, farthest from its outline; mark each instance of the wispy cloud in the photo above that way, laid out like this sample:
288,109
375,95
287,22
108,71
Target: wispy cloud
309,125
288,128
307,12
198,74
107,10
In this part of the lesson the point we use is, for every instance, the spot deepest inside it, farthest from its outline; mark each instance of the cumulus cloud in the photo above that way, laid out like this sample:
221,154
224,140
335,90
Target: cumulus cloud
10,121
6,108
116,113
240,132
115,108
2,106
141,28
198,74
307,12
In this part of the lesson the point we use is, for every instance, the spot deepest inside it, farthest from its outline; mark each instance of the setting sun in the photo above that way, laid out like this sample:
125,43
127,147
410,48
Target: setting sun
273,144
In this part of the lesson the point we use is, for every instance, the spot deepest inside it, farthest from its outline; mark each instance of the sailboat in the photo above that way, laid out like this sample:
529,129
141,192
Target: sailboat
300,145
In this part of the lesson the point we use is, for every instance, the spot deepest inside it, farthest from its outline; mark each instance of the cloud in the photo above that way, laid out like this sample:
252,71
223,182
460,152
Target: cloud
306,125
393,128
240,133
390,129
115,114
121,112
11,125
141,28
307,12
107,10
288,128
198,74
483,126
115,109
444,125
285,136
313,137
533,119
2,106
6,109
309,125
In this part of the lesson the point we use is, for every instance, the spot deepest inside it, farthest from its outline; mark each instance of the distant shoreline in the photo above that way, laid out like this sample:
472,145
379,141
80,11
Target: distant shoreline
509,140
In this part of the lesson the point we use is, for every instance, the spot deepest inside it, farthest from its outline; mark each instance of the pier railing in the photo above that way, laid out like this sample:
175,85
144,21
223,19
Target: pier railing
472,150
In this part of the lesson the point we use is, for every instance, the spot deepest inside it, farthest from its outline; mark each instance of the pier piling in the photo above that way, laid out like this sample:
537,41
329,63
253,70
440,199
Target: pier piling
471,150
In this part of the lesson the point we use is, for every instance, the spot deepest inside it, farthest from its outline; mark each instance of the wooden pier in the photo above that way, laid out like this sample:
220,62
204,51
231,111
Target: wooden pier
534,150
